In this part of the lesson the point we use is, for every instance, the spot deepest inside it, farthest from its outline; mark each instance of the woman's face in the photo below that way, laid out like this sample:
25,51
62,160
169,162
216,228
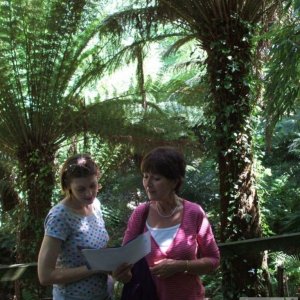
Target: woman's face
84,190
158,187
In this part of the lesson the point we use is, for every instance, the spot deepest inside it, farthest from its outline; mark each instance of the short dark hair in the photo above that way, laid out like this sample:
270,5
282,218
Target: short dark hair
166,161
76,166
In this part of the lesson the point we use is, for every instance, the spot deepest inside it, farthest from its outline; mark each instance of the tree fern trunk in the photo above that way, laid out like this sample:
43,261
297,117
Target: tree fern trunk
229,61
36,166
38,182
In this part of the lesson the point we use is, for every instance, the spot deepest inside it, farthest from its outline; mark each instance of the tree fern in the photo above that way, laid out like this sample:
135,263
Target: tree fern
282,69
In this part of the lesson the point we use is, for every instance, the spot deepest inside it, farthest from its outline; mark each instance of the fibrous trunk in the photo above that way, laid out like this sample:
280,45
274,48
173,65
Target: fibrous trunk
229,61
36,168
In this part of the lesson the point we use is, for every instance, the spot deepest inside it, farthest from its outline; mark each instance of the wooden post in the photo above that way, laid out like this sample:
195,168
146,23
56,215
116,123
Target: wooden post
280,271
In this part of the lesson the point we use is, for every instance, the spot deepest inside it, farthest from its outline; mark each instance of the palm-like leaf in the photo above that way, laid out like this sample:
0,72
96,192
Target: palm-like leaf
283,71
42,46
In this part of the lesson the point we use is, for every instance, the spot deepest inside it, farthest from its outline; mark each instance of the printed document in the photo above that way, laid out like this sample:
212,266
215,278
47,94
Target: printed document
108,259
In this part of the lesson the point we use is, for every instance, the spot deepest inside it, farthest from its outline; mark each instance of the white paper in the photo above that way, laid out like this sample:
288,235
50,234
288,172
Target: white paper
108,259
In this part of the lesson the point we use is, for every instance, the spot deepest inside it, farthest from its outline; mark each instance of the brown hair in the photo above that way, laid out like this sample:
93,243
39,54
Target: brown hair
166,161
79,165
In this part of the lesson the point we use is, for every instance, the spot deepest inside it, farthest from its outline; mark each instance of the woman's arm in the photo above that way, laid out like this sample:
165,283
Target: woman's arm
208,250
123,273
136,223
168,267
48,273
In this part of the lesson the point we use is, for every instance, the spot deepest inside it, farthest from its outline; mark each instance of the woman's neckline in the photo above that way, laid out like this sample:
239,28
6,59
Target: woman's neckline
178,206
78,212
163,228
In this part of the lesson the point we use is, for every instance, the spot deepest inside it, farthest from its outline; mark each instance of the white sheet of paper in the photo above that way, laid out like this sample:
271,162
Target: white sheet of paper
108,259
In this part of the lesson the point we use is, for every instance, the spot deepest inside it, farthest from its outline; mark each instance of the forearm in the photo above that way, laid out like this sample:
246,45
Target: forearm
200,266
62,275
168,267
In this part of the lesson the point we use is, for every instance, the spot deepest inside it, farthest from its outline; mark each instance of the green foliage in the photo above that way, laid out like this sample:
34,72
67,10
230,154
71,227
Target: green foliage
7,242
213,285
8,194
282,68
279,187
201,186
121,194
291,265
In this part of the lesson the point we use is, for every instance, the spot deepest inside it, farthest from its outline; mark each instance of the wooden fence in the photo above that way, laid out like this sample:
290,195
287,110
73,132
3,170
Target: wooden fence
289,243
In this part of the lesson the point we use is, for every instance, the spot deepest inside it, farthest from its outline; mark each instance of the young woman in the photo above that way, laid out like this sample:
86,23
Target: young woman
73,224
183,246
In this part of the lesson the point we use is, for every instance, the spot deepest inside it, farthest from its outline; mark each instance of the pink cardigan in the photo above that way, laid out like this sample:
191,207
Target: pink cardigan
194,239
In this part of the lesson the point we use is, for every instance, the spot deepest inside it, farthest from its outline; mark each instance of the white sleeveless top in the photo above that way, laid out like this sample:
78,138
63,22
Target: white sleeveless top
163,236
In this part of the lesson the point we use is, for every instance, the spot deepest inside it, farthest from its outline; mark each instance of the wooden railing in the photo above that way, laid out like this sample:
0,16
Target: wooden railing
289,243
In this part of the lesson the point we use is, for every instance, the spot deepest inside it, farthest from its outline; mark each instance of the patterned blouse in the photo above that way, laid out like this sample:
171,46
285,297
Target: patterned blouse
78,232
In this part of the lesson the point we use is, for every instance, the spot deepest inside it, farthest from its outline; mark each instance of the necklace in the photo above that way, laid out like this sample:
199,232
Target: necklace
166,216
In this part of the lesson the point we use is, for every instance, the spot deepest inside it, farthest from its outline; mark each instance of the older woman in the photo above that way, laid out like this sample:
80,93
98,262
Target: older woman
183,246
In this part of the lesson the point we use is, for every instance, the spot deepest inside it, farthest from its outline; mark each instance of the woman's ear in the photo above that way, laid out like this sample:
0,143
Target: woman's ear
176,183
67,192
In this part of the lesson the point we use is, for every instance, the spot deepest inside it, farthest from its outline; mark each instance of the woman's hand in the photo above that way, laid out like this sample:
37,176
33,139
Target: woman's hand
123,273
166,267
